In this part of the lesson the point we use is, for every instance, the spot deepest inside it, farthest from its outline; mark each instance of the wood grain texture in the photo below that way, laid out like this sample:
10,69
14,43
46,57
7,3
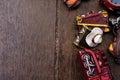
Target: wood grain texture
68,63
36,40
27,39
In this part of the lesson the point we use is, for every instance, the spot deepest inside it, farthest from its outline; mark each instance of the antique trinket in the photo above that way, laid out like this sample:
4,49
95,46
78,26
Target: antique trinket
95,65
72,3
112,5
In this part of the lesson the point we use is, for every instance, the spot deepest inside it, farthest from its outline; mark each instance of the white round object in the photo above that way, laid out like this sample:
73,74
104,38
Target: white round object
97,39
94,37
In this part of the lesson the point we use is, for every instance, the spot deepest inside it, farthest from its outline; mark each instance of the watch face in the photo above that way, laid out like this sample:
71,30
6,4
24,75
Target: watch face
115,1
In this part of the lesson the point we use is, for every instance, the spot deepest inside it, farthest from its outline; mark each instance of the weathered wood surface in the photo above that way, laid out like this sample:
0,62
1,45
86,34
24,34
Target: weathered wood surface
36,40
68,64
27,39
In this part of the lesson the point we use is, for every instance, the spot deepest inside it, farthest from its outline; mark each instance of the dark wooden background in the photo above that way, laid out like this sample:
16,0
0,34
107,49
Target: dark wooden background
36,40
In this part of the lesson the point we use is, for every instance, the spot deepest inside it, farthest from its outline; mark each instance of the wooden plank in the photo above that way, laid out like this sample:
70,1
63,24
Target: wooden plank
27,39
68,63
